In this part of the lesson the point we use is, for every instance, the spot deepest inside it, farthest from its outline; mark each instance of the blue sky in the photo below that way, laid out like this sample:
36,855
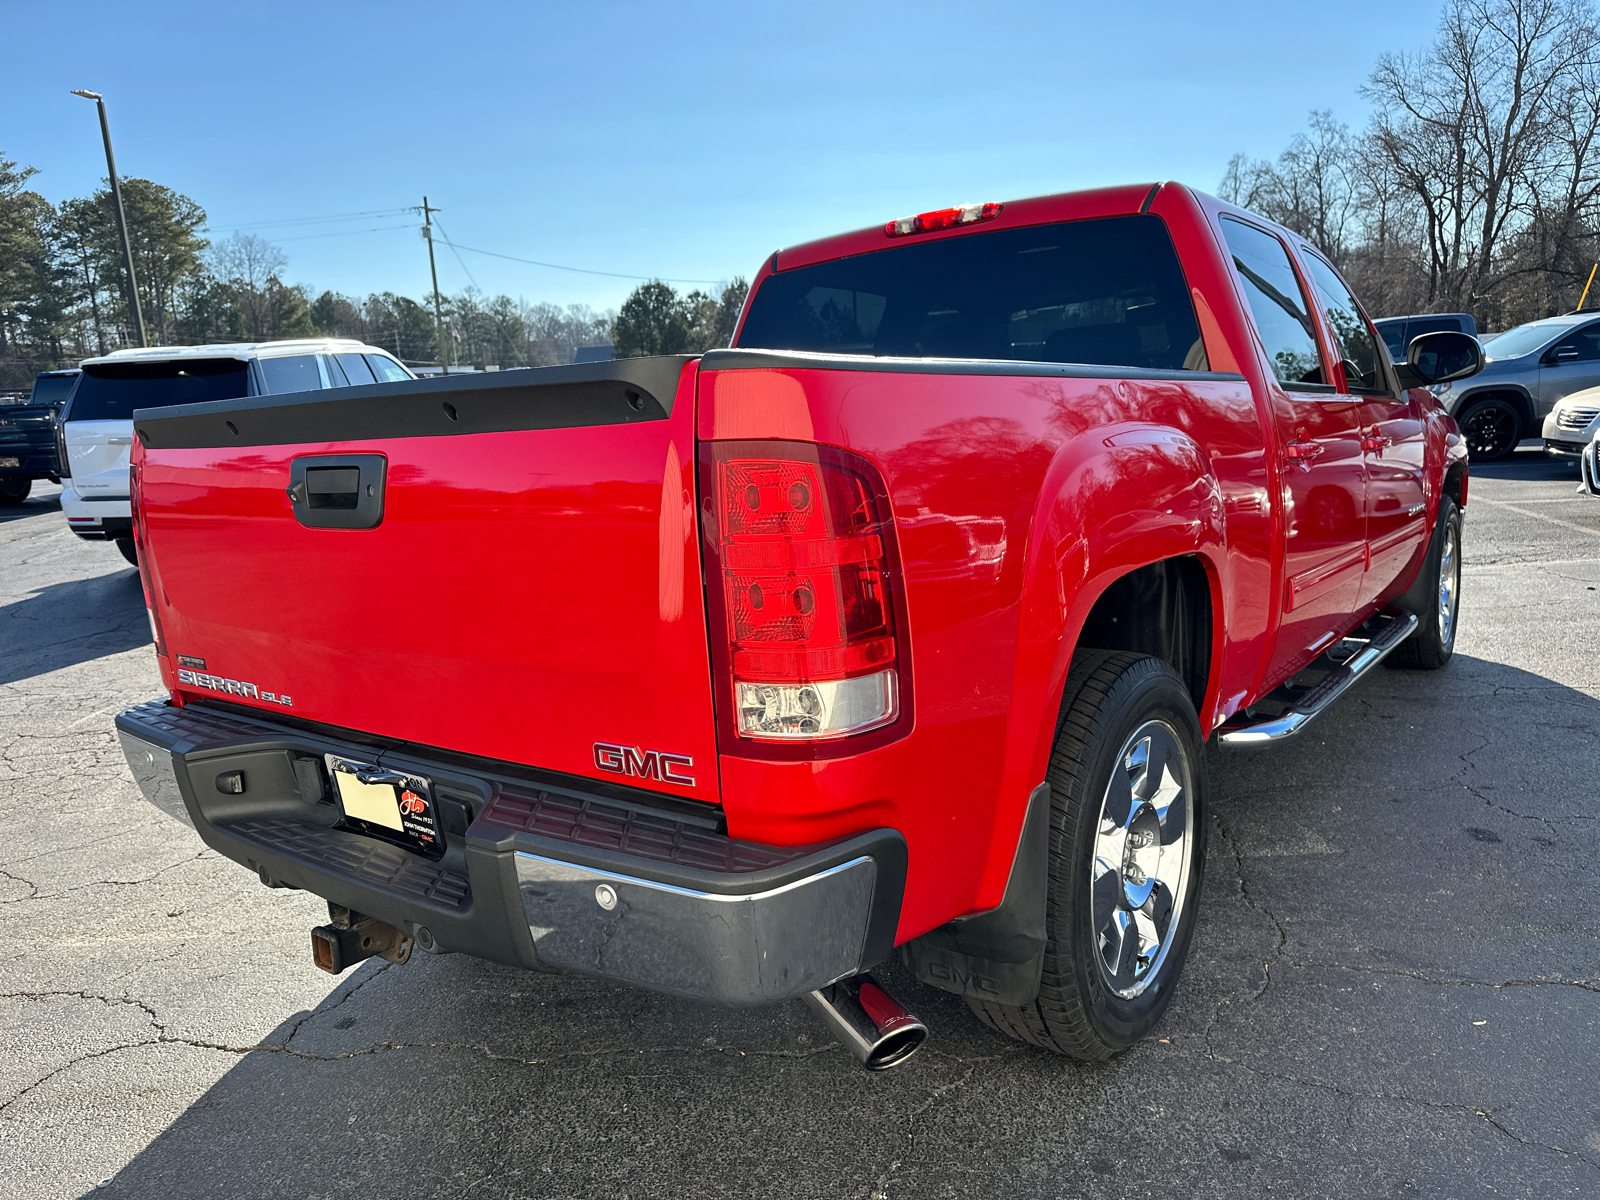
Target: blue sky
685,141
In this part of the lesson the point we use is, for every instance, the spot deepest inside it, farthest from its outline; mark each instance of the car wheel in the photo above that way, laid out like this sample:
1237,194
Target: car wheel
128,550
14,491
1128,837
1434,640
1492,428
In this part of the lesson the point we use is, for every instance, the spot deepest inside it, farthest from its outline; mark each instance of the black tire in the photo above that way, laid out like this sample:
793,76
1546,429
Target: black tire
1109,698
1492,428
14,491
128,550
1434,641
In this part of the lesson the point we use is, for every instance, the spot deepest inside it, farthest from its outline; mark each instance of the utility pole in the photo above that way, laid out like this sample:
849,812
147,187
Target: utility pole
122,221
438,317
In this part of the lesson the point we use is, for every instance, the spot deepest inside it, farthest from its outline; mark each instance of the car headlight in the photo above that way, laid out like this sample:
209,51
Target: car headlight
1439,389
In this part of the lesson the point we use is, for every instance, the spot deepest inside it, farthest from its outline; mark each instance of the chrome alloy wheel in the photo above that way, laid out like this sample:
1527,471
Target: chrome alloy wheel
1449,585
1140,874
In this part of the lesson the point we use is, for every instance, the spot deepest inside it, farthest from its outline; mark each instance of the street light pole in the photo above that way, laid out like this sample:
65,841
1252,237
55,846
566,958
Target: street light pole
122,220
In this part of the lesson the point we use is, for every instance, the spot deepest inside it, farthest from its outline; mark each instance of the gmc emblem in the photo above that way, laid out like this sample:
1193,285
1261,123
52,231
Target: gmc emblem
642,764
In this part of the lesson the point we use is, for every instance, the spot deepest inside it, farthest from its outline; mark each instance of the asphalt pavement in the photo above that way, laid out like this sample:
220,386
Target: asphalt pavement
1394,988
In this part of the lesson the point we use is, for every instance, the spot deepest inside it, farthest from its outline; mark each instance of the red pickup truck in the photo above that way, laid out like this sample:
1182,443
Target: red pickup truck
898,627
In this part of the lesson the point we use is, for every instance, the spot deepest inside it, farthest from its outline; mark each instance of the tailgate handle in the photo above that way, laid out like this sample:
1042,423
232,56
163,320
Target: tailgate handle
338,491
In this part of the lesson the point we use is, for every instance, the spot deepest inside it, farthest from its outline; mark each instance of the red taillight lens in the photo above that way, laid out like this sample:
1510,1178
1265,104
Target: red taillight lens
802,542
943,218
141,542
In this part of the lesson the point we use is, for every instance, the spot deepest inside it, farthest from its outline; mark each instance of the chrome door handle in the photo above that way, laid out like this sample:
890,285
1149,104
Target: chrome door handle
1376,443
1304,451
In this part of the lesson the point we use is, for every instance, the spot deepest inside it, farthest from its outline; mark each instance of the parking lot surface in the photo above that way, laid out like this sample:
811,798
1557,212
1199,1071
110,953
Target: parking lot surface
1394,988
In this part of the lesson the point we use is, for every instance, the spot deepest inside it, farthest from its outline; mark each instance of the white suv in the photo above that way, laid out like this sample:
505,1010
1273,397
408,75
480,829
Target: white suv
96,426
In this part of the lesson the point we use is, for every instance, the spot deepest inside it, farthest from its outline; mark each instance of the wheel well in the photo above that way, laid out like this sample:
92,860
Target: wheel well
1163,610
1453,480
1516,399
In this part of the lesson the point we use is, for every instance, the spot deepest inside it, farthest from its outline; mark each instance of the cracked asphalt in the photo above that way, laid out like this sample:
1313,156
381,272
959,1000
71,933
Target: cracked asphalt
1394,989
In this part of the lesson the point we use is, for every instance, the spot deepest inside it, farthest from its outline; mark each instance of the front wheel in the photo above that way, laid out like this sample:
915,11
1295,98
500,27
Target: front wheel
128,550
1128,836
1434,640
14,491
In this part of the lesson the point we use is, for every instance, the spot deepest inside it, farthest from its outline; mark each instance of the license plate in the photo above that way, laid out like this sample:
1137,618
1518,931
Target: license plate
390,805
9,460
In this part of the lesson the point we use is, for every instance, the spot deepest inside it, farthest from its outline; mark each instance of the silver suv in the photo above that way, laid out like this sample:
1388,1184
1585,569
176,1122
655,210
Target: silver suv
1529,368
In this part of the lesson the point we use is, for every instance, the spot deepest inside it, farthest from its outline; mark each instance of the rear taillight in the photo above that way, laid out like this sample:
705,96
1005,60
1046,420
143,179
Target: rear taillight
943,218
65,469
805,606
141,542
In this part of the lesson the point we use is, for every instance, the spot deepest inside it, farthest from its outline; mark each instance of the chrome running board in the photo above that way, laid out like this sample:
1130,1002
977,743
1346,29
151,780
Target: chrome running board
1347,661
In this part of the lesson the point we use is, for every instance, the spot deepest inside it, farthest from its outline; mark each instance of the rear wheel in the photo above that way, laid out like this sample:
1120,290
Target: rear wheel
1492,428
14,491
1127,813
128,550
1434,641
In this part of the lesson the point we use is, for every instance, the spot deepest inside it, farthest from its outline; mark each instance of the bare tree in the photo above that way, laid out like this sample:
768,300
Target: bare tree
250,266
1472,131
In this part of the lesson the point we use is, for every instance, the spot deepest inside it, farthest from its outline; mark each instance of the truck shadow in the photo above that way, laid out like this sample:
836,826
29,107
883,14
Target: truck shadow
449,1076
64,624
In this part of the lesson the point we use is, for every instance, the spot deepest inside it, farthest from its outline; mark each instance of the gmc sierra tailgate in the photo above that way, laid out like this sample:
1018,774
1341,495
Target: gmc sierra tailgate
503,565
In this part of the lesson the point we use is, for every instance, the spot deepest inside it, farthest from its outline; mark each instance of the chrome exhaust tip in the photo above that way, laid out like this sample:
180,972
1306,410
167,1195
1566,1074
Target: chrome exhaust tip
870,1022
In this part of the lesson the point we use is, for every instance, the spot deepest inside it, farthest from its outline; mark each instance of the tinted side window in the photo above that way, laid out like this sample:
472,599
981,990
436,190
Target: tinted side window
1276,303
111,391
1586,342
1353,342
355,368
297,373
1104,292
386,369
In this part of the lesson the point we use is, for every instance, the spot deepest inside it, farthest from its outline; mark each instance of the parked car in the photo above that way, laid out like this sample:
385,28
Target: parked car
28,448
1528,369
1572,424
1589,467
96,428
1397,332
898,627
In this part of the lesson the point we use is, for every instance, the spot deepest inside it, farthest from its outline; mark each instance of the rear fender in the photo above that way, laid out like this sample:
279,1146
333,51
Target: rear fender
1124,497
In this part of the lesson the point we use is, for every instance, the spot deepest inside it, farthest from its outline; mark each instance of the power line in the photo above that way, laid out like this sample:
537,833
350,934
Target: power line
353,216
580,270
456,252
346,232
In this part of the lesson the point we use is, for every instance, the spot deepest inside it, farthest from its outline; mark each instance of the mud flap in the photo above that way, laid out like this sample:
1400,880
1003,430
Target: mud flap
997,955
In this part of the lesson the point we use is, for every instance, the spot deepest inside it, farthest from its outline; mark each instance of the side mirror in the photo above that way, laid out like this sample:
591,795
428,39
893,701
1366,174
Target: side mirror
1563,354
1440,358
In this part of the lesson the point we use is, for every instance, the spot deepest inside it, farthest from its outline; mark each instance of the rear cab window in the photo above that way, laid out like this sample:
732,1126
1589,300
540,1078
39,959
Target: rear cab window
1102,292
112,391
52,389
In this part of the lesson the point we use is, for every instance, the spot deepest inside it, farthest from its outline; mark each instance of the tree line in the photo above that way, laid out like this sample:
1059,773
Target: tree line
1475,186
63,295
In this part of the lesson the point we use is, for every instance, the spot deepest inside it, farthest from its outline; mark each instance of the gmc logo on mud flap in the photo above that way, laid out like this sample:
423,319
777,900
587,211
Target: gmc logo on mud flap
642,764
968,982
